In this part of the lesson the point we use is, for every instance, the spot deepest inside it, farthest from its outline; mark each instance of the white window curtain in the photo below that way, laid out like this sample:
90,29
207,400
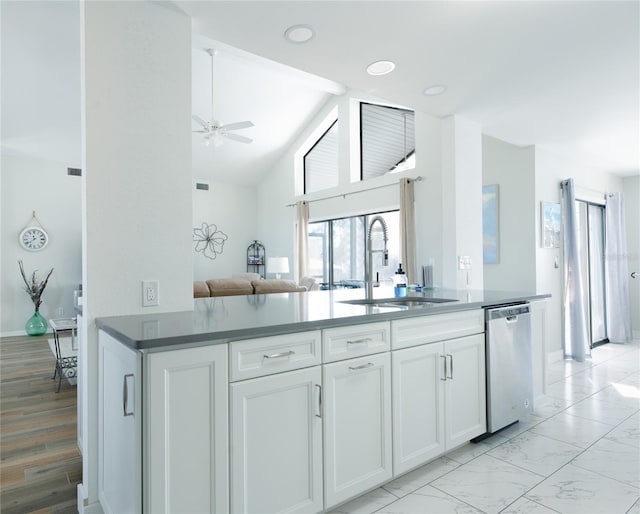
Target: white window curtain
576,343
302,242
616,271
408,229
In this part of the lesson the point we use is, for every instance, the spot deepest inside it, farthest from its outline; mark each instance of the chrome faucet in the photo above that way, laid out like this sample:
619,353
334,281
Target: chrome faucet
369,267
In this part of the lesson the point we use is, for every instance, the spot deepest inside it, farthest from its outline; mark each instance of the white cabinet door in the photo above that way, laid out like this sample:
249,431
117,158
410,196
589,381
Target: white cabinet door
119,427
186,447
357,426
465,397
418,406
276,441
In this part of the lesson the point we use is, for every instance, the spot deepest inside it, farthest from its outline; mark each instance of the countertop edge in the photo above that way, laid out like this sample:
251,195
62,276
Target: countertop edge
226,336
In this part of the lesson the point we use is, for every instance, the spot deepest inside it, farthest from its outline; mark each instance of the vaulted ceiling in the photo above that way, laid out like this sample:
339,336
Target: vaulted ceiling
561,74
564,75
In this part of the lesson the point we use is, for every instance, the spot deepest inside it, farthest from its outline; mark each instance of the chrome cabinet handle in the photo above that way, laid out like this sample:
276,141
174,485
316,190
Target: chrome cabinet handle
278,355
125,395
362,366
444,357
360,341
634,274
319,413
450,366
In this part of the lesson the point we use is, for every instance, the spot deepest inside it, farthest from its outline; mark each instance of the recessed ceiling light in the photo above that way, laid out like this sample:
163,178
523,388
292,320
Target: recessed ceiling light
381,67
299,34
435,90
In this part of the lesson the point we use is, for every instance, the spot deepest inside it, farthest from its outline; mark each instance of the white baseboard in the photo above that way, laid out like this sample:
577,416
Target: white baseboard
84,507
15,333
556,356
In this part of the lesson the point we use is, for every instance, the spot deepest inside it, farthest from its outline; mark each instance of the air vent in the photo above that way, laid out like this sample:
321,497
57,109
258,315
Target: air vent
75,172
202,186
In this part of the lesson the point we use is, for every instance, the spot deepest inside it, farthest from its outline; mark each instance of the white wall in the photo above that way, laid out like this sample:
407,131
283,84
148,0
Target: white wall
137,187
631,190
552,168
30,184
233,209
512,168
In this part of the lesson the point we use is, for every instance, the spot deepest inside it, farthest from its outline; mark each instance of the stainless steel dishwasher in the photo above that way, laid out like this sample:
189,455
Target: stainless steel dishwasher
509,365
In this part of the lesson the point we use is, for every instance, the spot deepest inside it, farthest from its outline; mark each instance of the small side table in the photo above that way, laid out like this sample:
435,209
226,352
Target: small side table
67,362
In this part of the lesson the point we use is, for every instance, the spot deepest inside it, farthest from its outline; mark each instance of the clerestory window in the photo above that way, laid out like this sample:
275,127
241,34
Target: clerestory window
321,162
387,141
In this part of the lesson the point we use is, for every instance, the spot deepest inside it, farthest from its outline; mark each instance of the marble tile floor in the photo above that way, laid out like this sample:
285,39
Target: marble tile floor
578,452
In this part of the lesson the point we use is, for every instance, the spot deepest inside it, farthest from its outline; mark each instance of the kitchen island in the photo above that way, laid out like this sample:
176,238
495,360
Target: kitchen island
291,402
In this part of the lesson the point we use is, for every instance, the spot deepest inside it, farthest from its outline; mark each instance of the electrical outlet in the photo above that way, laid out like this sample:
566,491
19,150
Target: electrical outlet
150,293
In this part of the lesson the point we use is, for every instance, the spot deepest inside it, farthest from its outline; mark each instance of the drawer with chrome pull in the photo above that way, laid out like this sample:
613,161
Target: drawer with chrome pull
268,355
355,341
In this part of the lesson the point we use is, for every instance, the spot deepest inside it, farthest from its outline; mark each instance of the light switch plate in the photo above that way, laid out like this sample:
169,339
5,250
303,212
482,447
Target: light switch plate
464,262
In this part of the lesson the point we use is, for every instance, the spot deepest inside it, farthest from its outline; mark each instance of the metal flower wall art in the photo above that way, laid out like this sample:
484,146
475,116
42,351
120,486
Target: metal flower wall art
209,240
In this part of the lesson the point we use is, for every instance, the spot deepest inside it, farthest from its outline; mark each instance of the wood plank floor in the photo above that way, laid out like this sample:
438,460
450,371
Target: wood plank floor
40,465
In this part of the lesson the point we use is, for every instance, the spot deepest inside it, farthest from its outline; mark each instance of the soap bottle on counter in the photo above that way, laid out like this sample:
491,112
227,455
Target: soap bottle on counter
400,282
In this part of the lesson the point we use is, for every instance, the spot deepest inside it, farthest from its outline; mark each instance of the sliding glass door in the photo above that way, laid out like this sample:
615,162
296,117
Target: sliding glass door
591,254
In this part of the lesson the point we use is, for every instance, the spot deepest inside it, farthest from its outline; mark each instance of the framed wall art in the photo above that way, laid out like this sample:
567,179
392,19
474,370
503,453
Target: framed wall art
550,224
490,224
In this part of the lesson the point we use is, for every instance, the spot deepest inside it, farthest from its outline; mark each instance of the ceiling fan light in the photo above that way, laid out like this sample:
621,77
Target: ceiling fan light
217,139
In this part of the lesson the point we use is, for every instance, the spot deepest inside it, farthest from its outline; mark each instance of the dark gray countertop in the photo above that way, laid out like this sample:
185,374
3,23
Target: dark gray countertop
229,318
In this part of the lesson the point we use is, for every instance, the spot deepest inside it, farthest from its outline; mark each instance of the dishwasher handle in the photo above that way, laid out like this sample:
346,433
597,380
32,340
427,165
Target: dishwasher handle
511,313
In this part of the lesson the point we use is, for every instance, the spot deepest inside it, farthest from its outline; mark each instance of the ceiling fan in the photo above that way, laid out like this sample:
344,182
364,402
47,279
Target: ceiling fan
214,132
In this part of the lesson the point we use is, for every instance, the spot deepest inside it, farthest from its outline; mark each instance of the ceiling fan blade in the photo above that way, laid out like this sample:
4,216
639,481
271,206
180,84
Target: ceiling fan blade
238,125
199,120
239,138
200,131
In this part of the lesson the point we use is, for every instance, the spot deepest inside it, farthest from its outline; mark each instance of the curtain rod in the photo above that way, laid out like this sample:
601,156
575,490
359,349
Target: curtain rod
344,195
578,186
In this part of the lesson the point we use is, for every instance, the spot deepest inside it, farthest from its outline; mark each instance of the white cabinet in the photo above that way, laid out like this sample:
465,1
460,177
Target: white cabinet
163,441
357,426
342,343
538,347
465,396
120,428
276,441
438,399
418,406
186,444
268,355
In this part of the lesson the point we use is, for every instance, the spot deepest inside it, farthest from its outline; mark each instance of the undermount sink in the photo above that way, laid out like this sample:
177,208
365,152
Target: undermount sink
404,301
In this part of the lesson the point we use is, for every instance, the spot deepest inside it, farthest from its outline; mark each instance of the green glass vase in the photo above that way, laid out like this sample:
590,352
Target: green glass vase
36,325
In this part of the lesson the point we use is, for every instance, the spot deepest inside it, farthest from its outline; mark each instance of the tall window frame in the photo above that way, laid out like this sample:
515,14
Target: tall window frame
324,252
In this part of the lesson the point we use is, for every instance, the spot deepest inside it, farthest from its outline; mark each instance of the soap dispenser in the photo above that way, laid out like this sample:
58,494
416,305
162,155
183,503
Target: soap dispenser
400,282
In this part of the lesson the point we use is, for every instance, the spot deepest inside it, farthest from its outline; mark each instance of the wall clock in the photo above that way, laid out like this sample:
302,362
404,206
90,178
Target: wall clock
34,238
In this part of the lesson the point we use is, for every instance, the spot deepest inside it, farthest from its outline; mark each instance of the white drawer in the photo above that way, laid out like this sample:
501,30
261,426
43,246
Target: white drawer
268,355
439,327
354,341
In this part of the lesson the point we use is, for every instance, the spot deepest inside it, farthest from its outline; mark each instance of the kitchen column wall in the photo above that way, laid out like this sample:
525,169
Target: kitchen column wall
137,196
461,216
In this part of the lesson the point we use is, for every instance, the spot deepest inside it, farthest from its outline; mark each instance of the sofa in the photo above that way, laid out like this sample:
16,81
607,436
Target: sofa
249,283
